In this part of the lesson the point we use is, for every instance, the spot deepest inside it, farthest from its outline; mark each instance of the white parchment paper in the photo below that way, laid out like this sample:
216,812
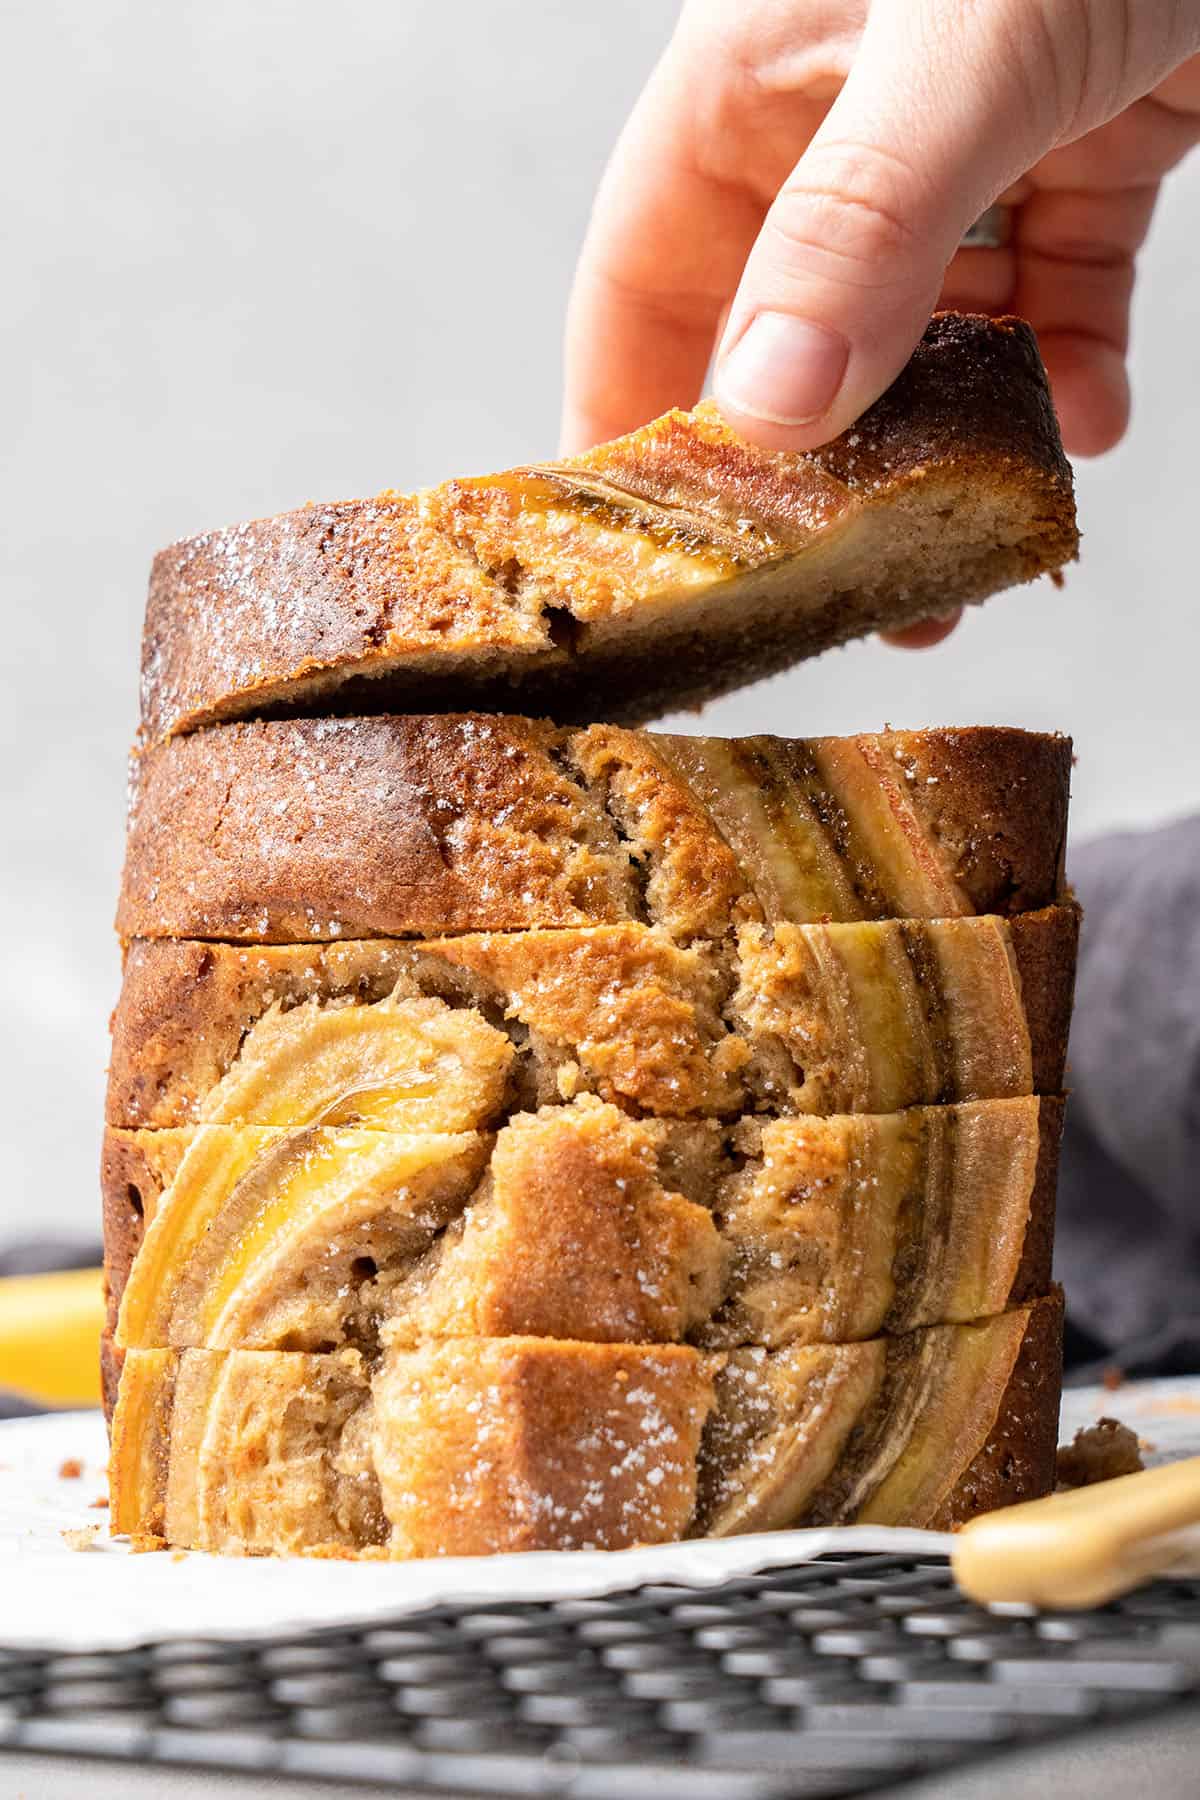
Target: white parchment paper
83,1591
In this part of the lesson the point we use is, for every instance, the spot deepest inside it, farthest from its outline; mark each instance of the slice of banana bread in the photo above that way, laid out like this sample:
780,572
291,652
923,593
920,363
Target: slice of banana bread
473,1446
584,1223
321,829
652,573
448,1034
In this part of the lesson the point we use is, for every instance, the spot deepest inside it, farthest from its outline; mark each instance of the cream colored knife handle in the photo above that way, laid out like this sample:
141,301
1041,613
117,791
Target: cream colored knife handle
1081,1548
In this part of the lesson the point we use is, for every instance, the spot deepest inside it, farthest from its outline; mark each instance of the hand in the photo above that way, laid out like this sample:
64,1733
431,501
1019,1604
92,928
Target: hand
794,182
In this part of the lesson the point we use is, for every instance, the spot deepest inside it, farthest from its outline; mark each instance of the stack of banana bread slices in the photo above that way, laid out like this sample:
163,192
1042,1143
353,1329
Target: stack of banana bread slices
527,1136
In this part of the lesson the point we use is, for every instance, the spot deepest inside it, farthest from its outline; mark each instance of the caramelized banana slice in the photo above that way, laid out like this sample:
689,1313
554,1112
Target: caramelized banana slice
896,824
924,1429
865,1018
403,1064
244,1451
781,1423
275,1238
822,829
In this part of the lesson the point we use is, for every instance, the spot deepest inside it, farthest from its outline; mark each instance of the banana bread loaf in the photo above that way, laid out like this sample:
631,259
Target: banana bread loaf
529,1136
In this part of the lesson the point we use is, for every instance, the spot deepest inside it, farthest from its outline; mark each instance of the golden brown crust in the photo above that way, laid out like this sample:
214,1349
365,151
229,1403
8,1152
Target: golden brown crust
1037,1249
651,573
111,1360
1016,1460
966,367
577,1233
487,1445
1005,846
310,830
318,829
325,587
1045,961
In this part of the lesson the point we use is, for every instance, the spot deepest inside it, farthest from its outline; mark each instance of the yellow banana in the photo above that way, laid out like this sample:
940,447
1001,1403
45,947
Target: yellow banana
50,1335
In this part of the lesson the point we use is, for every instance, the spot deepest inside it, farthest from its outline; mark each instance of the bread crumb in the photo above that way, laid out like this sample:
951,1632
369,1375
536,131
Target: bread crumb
70,1469
1112,1378
1099,1452
142,1543
100,1501
80,1537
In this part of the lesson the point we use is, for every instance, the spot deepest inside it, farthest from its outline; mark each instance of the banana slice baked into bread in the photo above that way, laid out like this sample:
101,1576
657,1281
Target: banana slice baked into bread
652,573
479,1445
318,829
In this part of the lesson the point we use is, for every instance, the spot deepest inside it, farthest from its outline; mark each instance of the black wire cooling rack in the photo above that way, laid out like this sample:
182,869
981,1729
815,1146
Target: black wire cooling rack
828,1678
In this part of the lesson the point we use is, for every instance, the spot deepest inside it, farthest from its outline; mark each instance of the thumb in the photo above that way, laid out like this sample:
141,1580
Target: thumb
943,109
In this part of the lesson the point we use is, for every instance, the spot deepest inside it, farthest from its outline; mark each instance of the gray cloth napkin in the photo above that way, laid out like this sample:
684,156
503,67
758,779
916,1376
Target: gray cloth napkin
1128,1240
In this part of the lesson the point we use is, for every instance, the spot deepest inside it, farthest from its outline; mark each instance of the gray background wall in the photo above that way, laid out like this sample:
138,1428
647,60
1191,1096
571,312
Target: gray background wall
261,253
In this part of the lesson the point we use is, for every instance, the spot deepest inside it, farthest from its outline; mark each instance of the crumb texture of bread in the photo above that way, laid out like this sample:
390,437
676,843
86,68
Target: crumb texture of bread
311,830
650,574
470,1447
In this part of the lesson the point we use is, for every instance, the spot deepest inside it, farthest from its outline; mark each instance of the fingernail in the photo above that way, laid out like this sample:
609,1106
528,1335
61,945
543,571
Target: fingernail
783,369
